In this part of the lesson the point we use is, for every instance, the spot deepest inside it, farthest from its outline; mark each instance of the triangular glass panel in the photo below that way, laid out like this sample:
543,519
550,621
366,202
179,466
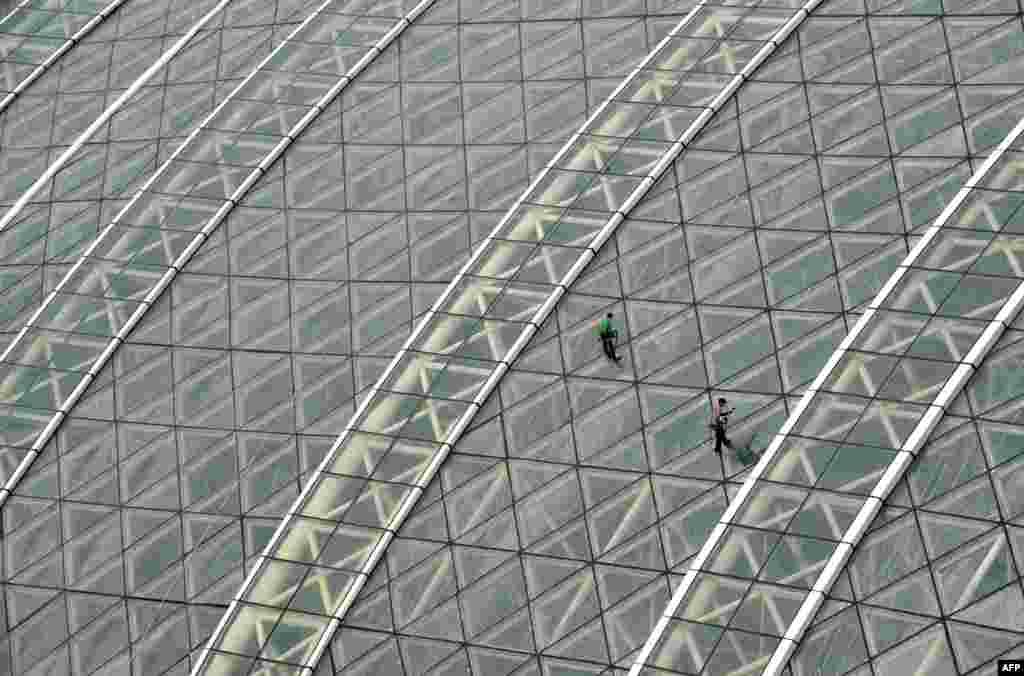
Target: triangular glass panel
717,321
350,645
944,532
442,622
599,485
456,665
404,553
428,524
704,240
599,281
684,532
973,571
913,171
643,550
839,169
472,563
422,654
884,628
496,662
499,532
616,583
555,667
542,356
586,643
767,609
829,608
630,623
459,468
974,499
670,654
514,633
742,552
543,573
1002,609
775,246
569,541
842,589
486,438
372,612
645,315
886,555
856,469
928,650
824,96
834,647
672,492
797,561
763,376
962,30
565,607
944,464
915,593
518,385
764,167
23,601
585,393
975,645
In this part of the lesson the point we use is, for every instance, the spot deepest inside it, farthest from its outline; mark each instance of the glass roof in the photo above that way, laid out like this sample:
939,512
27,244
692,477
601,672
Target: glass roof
551,538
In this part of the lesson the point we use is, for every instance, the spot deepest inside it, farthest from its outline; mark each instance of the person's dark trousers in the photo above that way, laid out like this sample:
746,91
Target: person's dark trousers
608,342
721,439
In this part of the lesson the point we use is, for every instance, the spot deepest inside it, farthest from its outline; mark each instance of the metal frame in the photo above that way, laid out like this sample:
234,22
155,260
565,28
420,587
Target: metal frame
312,501
106,115
7,389
452,434
893,473
61,51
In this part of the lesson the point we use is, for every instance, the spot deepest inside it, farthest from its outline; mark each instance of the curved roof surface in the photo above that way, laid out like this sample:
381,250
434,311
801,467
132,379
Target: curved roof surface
319,280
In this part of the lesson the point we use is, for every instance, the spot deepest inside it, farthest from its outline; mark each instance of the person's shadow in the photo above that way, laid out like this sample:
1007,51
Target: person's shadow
746,451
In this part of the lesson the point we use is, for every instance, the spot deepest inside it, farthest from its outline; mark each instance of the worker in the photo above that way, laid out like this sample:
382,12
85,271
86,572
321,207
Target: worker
720,413
608,336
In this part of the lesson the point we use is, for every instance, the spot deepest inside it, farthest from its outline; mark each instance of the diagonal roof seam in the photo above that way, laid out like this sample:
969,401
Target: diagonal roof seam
892,473
179,263
69,44
228,633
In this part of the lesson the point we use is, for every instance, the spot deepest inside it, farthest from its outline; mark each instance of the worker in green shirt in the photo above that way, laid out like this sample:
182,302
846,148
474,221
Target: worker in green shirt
609,336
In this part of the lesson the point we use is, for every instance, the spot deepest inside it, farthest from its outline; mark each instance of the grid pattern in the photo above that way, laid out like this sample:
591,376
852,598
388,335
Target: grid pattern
938,586
20,378
518,273
127,259
211,400
578,345
54,129
100,299
868,412
485,509
34,36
